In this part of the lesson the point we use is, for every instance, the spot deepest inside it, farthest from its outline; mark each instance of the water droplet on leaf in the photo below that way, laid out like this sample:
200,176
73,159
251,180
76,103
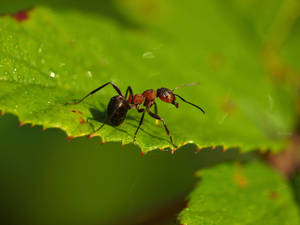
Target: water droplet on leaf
52,74
148,55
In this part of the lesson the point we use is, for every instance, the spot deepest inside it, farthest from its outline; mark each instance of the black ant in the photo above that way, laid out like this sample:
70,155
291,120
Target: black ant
119,105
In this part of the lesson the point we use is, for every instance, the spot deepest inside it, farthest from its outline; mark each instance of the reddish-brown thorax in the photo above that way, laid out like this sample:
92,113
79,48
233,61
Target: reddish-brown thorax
147,98
138,99
150,96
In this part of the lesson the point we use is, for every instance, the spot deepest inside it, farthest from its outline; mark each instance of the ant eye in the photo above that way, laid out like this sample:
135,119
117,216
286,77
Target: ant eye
165,95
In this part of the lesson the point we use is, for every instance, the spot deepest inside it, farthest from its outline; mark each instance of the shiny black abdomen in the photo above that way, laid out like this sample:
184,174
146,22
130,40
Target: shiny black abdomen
117,110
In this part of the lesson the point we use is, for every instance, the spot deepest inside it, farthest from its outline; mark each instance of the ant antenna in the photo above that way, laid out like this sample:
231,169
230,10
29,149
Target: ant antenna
185,85
190,103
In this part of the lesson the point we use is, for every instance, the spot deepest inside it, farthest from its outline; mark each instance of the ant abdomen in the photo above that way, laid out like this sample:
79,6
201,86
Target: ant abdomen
117,110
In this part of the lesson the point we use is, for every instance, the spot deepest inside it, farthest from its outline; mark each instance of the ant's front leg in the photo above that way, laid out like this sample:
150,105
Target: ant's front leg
155,108
155,116
155,111
94,91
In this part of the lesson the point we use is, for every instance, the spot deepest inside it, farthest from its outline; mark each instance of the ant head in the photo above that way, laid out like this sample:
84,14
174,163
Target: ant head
167,95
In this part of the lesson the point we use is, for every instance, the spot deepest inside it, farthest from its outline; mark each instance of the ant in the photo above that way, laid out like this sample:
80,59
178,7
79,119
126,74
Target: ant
119,105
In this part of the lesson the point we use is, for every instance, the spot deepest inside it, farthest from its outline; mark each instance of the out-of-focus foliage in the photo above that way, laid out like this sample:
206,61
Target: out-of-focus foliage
66,49
240,194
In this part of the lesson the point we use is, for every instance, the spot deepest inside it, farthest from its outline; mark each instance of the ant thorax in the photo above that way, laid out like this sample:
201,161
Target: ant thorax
138,99
150,95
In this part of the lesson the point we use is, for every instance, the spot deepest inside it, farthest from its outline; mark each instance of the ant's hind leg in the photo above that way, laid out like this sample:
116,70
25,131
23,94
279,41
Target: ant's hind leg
130,98
155,116
94,91
141,121
106,121
91,134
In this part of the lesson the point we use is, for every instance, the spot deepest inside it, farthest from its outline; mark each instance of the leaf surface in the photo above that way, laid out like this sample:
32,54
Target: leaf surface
240,194
63,51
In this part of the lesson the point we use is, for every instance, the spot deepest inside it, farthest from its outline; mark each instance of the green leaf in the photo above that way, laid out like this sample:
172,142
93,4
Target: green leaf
63,51
240,194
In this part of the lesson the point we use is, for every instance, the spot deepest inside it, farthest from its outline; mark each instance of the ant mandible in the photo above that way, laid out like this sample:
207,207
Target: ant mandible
119,105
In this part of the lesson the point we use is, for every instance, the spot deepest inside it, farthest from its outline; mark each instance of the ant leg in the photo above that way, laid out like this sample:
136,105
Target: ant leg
94,91
155,111
102,125
130,94
155,107
91,134
155,116
141,121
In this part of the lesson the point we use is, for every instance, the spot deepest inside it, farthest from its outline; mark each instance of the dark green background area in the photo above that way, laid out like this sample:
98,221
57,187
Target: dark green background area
296,188
47,180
